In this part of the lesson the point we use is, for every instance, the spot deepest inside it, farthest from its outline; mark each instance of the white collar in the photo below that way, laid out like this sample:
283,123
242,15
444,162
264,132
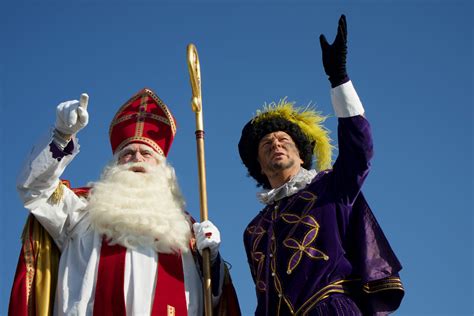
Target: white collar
299,181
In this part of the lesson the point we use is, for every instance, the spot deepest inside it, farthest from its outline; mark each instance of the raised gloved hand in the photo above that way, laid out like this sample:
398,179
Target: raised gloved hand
71,117
207,236
334,55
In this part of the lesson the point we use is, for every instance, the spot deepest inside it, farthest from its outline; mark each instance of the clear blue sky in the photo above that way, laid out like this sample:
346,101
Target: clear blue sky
410,61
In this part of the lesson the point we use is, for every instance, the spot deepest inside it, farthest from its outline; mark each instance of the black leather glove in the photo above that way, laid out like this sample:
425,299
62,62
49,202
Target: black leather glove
334,55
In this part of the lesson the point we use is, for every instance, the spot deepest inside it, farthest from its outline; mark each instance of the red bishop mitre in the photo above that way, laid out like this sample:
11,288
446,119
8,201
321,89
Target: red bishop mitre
143,119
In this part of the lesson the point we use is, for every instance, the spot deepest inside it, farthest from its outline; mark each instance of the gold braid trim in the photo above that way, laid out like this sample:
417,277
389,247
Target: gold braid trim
391,283
28,254
41,257
341,286
57,195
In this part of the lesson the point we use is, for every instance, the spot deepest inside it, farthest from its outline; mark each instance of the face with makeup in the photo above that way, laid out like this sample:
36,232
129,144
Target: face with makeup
278,156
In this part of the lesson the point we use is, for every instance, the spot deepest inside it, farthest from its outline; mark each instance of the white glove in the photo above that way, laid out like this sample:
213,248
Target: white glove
71,117
207,236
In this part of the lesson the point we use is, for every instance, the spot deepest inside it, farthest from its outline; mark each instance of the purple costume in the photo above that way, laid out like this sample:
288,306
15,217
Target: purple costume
320,251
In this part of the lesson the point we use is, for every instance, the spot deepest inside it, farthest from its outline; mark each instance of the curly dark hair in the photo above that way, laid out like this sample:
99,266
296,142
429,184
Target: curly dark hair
252,134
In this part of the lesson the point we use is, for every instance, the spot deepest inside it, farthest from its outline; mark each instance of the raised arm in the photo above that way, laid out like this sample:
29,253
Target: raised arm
39,178
354,134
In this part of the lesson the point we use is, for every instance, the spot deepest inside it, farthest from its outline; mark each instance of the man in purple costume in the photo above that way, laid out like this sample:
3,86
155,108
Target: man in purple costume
316,248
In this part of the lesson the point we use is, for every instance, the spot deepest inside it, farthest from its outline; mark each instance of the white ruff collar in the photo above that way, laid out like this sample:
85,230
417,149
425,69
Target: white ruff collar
299,181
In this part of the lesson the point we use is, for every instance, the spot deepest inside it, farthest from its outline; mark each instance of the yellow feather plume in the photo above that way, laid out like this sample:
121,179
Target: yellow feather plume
309,120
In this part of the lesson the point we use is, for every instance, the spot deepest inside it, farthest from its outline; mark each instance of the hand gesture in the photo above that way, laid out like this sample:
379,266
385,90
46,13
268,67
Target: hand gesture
207,236
72,116
334,55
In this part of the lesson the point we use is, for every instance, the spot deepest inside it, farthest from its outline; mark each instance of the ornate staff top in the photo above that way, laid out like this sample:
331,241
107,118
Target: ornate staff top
196,104
195,78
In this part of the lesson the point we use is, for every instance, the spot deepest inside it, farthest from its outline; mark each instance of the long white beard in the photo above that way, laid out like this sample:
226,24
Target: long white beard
140,209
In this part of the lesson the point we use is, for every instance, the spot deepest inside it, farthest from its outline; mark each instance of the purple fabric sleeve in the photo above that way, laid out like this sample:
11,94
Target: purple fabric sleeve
373,261
57,153
353,162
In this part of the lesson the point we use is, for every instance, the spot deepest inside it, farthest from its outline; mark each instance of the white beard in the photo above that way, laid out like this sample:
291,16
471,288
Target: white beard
140,209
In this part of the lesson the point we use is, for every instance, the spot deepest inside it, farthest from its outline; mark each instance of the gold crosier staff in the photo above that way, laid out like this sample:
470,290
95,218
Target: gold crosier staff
196,104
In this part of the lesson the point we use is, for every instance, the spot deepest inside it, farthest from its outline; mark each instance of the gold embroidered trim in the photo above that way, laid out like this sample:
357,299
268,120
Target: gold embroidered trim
57,195
276,280
145,140
165,110
257,256
141,116
303,246
341,286
28,253
146,115
392,283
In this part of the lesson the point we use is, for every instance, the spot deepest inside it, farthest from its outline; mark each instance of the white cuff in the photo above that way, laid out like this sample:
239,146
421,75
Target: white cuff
345,101
61,140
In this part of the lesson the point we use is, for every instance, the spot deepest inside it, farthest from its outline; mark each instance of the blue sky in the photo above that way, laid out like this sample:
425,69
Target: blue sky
410,61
